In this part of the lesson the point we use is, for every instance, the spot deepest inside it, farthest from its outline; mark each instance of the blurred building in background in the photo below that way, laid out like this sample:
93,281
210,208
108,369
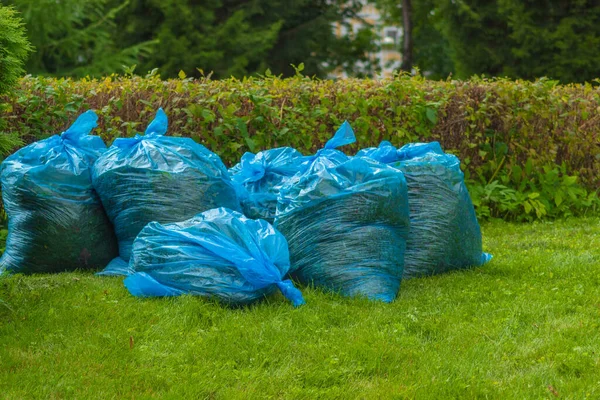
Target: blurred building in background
388,58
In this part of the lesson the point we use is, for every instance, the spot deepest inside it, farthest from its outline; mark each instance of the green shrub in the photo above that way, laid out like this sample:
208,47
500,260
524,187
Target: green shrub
548,194
529,137
14,48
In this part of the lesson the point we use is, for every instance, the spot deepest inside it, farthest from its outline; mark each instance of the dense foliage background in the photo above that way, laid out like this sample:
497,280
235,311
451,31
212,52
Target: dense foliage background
222,37
529,149
509,38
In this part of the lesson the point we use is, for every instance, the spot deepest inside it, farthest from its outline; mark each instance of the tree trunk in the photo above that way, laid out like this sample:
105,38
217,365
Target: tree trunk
407,48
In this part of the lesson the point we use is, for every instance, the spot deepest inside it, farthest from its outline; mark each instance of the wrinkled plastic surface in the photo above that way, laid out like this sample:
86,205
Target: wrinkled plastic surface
346,221
55,219
445,234
152,177
343,136
264,174
219,254
385,153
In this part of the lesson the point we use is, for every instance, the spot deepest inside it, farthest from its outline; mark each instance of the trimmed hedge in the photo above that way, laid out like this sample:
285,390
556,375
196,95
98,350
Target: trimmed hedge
498,127
521,143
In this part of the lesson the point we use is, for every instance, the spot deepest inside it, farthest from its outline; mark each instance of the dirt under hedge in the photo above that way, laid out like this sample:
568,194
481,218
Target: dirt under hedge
492,125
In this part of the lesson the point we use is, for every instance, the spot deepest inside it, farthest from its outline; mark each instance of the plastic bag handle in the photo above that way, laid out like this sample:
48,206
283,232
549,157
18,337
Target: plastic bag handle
82,126
252,170
290,292
158,126
343,136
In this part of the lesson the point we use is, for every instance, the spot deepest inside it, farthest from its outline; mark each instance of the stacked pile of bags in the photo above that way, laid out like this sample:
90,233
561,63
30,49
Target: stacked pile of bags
166,213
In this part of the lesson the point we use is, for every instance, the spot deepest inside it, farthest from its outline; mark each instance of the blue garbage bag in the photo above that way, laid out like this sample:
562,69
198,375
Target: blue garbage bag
153,177
263,174
385,153
219,253
55,219
346,221
444,232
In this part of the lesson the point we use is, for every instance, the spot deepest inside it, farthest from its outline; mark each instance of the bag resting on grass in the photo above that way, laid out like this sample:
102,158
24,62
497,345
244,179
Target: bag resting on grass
444,232
219,254
346,221
263,174
55,219
157,178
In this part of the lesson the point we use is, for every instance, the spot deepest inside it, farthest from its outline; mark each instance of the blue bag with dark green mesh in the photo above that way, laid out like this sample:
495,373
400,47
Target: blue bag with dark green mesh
153,177
55,218
444,232
219,254
346,221
262,175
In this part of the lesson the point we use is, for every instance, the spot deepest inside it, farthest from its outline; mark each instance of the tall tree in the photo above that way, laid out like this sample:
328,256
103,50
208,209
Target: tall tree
215,36
407,49
225,37
242,37
75,37
523,38
307,37
424,45
477,36
14,48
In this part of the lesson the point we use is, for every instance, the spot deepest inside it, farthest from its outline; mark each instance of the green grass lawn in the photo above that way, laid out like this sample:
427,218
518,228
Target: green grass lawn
527,325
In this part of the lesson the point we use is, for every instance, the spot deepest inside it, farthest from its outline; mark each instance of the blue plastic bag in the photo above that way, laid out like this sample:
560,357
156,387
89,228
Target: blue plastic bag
263,174
219,254
444,233
157,178
388,153
55,219
385,153
346,221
